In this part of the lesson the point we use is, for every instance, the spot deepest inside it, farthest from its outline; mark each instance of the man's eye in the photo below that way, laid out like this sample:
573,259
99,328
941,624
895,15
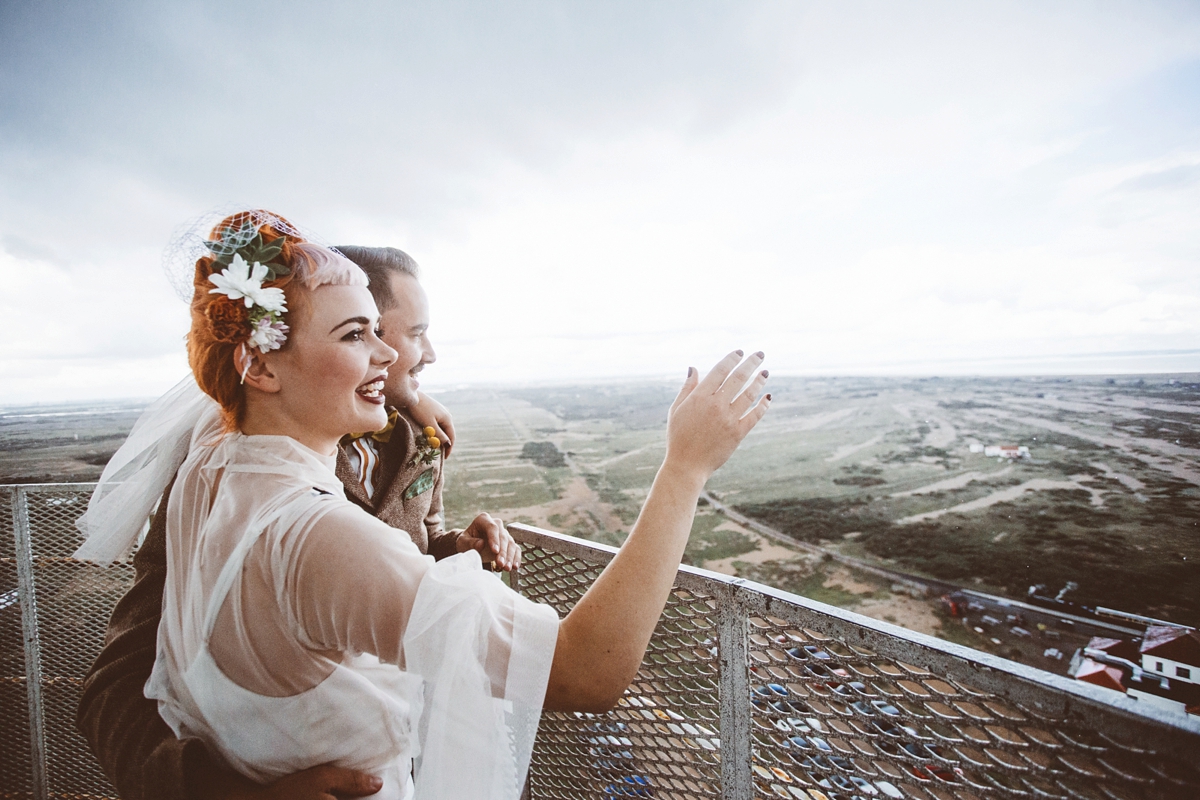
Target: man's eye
379,333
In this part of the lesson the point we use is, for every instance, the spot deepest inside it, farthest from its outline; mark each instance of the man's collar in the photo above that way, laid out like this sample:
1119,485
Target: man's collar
383,434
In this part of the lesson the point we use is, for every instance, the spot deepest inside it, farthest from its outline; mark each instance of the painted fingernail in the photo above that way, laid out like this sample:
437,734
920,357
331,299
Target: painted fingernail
690,371
768,397
766,372
739,352
760,354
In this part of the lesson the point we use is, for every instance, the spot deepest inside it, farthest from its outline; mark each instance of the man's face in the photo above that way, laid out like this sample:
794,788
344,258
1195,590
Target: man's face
404,330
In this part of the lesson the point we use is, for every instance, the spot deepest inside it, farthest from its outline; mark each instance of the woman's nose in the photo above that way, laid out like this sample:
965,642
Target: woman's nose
385,356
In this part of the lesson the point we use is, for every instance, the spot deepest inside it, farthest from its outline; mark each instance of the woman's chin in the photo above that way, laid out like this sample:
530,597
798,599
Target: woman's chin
372,418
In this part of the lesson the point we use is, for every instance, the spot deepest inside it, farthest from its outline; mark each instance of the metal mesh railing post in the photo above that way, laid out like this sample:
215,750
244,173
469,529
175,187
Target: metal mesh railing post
27,591
64,610
736,777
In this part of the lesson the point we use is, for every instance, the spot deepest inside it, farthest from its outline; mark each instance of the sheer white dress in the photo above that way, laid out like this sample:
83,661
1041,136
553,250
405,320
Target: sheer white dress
298,630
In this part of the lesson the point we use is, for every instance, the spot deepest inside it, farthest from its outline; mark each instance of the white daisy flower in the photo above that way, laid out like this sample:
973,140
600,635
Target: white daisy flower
244,281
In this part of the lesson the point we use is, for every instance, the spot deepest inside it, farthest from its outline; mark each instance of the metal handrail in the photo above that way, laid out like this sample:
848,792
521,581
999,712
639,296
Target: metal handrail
746,691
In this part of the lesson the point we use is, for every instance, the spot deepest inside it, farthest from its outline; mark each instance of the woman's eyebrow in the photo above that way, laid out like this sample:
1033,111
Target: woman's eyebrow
351,321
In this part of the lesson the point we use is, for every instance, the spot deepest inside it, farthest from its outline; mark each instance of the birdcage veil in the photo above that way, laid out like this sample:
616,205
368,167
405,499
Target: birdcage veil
191,241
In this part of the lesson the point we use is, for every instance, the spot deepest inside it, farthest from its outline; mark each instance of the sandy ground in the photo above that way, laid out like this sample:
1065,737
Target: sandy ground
1128,481
1128,445
577,502
942,434
840,576
907,612
767,551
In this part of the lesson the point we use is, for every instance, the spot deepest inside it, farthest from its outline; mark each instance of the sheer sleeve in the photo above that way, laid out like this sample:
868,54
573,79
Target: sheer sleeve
352,585
482,651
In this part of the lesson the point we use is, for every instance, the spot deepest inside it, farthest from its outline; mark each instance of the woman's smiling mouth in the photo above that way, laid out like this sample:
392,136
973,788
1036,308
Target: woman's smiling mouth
372,392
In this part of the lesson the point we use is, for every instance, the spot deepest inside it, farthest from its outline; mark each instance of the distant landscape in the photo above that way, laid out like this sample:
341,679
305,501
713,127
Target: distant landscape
1104,510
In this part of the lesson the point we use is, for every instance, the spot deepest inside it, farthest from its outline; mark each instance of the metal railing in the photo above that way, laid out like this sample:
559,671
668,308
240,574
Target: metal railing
745,692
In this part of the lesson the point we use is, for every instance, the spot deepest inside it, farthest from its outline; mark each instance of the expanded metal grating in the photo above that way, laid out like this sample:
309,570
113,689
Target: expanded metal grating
663,739
817,703
839,718
63,609
745,692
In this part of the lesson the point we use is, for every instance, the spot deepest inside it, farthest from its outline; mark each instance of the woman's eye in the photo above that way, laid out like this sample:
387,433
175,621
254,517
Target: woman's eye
354,335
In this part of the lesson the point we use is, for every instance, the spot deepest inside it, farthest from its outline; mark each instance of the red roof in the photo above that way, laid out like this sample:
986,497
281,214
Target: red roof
1175,644
1118,648
1100,675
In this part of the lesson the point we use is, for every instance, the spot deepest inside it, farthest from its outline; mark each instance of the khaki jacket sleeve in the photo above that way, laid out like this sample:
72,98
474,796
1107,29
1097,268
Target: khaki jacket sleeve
136,749
442,543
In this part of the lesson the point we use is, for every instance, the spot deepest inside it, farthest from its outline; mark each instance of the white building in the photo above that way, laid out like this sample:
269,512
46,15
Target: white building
1004,451
1172,652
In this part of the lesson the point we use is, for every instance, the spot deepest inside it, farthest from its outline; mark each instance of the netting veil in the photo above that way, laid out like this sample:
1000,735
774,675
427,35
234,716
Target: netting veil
136,476
188,244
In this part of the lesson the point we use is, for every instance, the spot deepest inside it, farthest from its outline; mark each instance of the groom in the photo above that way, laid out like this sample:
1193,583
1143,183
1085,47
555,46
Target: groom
395,474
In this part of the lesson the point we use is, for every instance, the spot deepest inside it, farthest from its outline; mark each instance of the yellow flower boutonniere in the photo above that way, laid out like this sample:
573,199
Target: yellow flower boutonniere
427,450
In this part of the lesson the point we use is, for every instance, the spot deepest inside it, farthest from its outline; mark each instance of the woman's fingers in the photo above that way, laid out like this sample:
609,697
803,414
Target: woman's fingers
732,386
755,414
746,399
689,385
717,375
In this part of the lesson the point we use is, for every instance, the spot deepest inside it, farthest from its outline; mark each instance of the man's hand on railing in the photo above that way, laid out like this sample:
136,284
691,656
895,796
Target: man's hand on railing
325,782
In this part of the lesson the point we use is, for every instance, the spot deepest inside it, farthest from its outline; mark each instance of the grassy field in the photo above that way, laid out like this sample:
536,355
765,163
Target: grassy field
881,469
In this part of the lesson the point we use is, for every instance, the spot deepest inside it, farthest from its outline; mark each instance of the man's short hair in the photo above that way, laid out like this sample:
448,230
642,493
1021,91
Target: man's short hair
380,263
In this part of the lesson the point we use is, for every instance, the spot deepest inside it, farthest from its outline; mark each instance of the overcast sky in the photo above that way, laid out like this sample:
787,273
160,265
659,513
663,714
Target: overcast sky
602,189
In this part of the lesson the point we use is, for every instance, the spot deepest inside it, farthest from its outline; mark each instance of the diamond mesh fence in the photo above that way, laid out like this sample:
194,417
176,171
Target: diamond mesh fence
832,718
663,738
16,776
63,607
822,704
745,692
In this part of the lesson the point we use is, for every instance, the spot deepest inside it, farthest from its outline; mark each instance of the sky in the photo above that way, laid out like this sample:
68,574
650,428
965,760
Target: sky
602,190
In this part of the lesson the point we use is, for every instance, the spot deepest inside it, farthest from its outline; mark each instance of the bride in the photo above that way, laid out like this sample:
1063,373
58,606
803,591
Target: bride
299,630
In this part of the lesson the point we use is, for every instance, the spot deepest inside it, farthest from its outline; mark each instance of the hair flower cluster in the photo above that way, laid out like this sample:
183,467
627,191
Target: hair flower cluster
244,281
247,259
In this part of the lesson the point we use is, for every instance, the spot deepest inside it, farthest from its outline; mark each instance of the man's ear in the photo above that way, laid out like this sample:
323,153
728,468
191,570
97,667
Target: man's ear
256,370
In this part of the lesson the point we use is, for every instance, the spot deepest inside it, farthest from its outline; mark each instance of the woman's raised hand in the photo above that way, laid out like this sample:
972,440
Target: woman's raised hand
711,416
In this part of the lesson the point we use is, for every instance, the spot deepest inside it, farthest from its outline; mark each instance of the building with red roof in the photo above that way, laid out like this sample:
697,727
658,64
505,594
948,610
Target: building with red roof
1172,652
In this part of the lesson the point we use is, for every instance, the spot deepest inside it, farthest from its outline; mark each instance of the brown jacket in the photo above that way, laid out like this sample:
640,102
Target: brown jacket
134,747
405,497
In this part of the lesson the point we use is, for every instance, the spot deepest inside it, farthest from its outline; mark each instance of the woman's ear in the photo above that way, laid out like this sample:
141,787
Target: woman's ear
256,370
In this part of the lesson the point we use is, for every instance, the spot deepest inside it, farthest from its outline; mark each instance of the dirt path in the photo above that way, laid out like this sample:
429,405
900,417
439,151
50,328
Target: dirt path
957,482
1012,493
851,449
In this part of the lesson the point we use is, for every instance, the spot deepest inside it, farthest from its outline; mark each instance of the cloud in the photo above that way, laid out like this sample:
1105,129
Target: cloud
854,183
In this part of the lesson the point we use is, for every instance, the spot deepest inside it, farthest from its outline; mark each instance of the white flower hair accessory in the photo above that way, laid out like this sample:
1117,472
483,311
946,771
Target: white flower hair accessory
241,280
248,262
